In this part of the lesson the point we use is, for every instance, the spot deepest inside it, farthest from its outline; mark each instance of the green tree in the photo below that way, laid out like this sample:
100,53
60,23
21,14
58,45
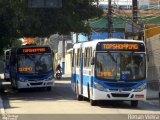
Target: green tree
18,20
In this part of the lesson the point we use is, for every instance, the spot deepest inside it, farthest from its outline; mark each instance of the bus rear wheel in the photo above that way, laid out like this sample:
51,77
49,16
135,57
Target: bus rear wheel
134,103
93,102
79,97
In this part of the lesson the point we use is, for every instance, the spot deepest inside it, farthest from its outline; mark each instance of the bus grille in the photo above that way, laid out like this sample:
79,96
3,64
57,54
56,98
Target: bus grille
39,83
124,89
35,80
120,85
119,95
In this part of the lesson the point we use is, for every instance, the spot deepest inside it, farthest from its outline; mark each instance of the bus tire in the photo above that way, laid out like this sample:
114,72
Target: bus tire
19,89
134,103
14,88
79,97
7,79
12,84
49,88
89,97
92,102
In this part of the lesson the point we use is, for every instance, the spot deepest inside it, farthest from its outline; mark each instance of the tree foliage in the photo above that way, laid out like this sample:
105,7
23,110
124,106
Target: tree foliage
18,20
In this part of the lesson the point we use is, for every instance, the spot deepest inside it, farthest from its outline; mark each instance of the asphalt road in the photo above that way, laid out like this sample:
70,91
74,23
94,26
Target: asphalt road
61,103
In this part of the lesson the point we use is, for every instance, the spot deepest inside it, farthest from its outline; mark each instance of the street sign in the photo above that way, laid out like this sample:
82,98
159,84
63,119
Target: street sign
45,3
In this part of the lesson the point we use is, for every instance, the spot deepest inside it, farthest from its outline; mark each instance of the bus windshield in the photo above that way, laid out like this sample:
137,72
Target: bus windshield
34,63
126,66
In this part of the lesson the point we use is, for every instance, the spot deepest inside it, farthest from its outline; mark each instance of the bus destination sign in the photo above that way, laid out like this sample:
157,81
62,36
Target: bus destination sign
120,46
32,50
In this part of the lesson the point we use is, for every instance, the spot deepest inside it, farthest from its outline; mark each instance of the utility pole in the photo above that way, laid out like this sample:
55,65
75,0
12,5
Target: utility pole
109,17
97,3
134,15
63,55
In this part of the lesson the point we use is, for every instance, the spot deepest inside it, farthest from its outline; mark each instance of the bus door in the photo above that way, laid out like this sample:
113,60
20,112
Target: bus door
92,67
73,79
81,71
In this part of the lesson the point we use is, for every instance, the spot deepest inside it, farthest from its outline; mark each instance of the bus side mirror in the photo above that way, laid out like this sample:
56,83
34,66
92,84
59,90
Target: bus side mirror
92,61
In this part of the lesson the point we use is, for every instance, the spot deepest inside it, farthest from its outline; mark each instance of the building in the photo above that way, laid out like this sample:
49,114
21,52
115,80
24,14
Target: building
149,4
60,44
118,4
127,4
152,39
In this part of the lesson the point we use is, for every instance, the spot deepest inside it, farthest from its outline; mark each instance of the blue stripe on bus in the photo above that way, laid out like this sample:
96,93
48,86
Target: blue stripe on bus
107,84
119,85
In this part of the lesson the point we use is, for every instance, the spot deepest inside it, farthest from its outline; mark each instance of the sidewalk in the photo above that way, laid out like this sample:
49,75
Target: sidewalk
66,75
154,102
153,97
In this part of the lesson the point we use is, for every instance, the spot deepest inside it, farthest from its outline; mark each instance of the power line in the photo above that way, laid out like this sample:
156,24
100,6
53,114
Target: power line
109,16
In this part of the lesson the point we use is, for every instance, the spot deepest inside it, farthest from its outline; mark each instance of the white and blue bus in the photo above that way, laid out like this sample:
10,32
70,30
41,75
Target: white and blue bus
31,66
110,69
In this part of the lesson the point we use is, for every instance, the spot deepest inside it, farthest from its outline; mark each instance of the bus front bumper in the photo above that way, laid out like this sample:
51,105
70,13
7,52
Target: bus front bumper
34,84
119,95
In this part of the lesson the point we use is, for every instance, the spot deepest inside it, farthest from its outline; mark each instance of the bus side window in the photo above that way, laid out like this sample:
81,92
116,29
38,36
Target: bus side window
73,58
78,58
90,56
85,57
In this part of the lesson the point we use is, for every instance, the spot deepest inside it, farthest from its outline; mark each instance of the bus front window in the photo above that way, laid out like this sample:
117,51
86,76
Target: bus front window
34,63
120,66
107,66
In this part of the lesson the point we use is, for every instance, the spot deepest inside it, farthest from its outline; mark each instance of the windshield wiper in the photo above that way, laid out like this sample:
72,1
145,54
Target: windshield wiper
111,56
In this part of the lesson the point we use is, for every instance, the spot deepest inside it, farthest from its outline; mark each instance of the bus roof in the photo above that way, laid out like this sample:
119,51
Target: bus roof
94,43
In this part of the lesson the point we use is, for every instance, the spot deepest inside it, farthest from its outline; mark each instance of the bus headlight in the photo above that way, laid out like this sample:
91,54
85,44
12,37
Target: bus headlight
100,87
21,79
50,77
140,88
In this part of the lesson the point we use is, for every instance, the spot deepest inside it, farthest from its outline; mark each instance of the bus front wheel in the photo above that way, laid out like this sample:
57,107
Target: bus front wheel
92,102
134,103
13,85
49,88
7,79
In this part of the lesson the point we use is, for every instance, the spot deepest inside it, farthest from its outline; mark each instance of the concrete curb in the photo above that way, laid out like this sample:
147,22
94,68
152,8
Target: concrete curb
2,111
1,106
153,102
